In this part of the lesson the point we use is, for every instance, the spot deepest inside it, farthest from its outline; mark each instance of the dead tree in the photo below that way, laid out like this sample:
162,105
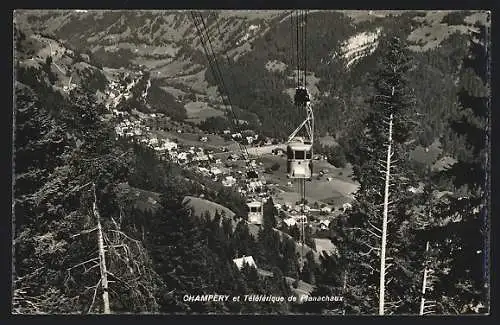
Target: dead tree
102,256
123,260
384,218
426,306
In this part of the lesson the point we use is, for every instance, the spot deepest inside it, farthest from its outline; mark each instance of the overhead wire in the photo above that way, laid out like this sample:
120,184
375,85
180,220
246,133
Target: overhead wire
204,35
301,81
305,48
298,55
225,91
216,72
292,48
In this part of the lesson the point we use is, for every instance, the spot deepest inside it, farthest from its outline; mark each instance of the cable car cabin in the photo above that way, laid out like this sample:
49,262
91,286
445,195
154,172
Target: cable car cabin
299,159
301,96
255,215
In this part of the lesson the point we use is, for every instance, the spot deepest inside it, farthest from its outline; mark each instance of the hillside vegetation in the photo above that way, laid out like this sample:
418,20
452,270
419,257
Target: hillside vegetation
94,210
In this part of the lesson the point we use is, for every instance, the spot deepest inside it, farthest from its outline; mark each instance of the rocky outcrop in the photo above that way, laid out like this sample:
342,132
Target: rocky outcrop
358,46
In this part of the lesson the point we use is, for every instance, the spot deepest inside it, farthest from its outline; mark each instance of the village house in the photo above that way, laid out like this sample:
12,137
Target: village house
346,206
278,151
201,156
254,185
182,156
323,224
204,170
215,171
228,181
326,209
153,141
290,222
255,212
244,260
301,219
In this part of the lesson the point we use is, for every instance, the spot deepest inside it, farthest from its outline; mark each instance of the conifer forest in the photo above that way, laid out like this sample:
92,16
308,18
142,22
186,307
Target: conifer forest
284,162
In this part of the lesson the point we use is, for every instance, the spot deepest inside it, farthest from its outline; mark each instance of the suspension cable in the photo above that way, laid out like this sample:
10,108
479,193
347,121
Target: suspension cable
298,45
292,48
216,72
305,48
301,81
235,118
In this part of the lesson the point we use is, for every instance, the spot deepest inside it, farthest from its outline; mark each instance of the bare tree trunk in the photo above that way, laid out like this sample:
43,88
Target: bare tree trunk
384,220
344,291
424,286
425,283
102,257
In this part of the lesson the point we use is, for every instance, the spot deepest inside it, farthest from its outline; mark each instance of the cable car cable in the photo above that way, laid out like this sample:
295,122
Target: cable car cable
224,87
204,35
302,101
216,72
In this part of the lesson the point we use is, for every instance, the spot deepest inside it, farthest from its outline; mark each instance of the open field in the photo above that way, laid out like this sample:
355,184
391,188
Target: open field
201,206
328,140
427,155
364,15
337,191
324,245
200,111
433,32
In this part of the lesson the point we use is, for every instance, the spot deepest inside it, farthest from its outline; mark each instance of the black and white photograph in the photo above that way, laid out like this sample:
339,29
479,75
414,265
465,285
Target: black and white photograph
251,162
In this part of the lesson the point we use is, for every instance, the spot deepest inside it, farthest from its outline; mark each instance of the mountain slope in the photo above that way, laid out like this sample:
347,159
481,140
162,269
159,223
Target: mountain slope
342,49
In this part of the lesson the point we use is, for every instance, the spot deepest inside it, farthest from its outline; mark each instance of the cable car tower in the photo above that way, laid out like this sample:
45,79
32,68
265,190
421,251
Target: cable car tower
300,142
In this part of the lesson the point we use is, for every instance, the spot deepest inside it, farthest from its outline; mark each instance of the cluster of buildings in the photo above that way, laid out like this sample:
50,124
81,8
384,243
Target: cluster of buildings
117,91
196,158
225,170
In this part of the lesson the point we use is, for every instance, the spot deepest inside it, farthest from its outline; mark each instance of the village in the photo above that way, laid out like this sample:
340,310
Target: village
225,165
221,157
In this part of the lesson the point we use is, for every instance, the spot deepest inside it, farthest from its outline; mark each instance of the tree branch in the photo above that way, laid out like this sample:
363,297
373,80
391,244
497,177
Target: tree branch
84,232
83,263
373,226
95,294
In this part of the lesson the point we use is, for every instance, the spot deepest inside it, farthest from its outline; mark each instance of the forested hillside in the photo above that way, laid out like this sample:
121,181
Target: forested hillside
168,48
102,222
70,205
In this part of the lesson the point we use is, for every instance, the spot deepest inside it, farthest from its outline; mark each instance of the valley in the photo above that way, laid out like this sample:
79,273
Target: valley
186,154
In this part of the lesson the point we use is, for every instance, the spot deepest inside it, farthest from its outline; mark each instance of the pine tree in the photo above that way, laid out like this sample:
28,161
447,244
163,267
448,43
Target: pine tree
74,148
269,214
378,230
243,242
460,229
269,245
289,263
180,255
